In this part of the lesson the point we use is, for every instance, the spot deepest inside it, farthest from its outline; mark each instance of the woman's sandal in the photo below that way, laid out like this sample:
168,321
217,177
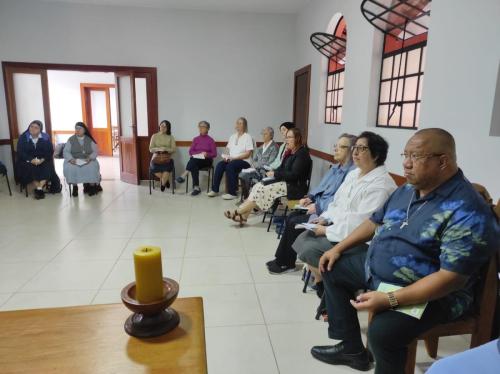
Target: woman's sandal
239,218
228,214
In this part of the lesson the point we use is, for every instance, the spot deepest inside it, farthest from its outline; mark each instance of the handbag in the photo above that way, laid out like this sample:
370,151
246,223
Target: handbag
161,158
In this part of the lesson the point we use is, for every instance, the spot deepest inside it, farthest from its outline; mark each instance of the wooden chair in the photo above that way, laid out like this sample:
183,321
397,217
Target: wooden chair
210,170
3,171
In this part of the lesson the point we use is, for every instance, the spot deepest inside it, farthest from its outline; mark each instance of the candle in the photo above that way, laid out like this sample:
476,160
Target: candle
148,274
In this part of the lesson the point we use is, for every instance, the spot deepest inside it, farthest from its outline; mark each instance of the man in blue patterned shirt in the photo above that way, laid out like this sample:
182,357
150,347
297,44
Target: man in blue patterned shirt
427,244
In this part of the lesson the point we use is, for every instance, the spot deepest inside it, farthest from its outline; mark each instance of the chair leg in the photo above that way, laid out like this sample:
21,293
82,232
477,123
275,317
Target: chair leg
187,183
8,184
431,346
411,358
306,281
210,177
172,176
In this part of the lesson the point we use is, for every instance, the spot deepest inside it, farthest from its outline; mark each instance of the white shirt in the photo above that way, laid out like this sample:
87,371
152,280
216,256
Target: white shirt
240,145
356,199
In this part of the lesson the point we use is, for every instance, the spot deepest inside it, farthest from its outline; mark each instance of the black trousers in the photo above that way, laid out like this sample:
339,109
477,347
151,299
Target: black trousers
285,255
194,165
390,332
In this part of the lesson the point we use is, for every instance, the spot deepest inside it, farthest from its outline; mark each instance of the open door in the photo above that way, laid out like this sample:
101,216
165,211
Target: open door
127,127
27,96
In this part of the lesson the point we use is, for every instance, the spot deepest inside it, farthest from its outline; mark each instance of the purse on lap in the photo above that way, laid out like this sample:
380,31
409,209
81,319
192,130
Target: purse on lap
161,158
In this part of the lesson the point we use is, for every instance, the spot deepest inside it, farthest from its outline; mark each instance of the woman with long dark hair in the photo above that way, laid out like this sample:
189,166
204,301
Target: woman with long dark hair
34,156
162,146
80,161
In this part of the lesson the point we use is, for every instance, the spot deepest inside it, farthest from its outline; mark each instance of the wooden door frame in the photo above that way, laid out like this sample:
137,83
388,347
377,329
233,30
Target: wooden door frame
87,88
301,71
139,71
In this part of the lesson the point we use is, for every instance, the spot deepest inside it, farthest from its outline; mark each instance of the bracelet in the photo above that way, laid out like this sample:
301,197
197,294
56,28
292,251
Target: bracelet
392,300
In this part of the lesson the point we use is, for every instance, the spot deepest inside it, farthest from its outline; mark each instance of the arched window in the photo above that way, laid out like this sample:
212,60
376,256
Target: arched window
401,81
335,80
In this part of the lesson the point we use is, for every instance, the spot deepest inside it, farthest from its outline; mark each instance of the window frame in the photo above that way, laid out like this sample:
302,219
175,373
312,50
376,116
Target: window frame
417,102
335,78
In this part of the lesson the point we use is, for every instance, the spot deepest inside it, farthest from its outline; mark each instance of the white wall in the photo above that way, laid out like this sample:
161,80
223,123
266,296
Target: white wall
461,68
213,66
65,96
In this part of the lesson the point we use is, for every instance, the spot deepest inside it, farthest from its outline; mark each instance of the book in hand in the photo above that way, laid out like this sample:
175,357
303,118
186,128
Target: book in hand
414,311
225,156
266,167
307,226
248,170
267,180
300,208
199,156
81,162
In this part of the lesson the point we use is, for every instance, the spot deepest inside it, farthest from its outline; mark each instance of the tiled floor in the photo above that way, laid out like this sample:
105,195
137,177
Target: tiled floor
64,251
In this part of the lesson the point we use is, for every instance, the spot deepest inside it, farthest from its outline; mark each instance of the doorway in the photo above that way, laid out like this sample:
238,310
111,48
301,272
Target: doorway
301,90
135,89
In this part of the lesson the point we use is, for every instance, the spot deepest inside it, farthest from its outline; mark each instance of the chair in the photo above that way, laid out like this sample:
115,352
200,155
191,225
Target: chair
210,170
152,179
277,201
3,171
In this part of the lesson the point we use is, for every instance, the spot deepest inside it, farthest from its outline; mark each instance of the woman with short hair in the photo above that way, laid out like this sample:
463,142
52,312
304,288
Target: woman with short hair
80,161
202,152
162,146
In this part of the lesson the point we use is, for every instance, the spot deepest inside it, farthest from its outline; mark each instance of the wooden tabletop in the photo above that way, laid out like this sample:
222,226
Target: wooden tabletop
91,339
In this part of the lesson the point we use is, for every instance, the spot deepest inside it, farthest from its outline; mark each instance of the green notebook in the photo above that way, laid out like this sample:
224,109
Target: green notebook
415,311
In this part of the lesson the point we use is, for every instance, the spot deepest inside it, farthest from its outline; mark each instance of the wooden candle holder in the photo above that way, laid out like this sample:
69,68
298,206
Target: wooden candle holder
154,318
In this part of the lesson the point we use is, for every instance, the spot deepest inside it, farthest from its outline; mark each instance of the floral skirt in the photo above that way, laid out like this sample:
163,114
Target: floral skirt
264,196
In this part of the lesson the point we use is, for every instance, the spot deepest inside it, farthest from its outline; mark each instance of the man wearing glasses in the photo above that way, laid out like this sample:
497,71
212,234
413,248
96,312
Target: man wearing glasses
427,244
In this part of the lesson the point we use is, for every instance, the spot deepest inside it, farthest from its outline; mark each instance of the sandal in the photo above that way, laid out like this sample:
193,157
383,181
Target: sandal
239,218
228,214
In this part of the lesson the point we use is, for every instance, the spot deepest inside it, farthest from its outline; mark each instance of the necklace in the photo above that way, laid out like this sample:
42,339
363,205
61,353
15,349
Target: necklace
405,222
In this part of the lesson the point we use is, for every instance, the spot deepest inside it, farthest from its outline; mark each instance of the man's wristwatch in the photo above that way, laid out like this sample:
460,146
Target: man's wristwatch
392,300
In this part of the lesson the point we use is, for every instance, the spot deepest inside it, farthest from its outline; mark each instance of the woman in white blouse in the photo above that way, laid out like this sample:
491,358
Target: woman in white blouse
364,190
237,157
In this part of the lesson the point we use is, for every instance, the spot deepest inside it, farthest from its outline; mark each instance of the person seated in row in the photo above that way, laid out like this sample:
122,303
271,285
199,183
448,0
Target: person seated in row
202,152
80,161
284,127
316,202
363,191
261,159
289,180
34,158
162,146
237,157
427,244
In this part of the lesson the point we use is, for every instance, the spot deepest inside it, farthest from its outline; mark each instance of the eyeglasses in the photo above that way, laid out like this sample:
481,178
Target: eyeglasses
414,157
359,148
336,146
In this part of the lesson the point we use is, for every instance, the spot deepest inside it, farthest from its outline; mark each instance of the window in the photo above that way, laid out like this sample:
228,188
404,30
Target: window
401,82
335,79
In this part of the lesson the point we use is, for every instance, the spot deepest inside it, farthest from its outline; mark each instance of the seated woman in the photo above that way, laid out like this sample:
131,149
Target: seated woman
34,158
162,146
202,152
284,127
364,190
316,202
289,180
236,158
80,161
262,157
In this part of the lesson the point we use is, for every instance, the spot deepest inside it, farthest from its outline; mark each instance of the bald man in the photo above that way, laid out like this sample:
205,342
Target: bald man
427,243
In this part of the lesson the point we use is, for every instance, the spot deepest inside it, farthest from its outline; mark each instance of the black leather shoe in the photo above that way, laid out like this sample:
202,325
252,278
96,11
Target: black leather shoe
334,355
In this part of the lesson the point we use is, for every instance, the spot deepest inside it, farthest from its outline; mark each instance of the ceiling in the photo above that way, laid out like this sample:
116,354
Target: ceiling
257,6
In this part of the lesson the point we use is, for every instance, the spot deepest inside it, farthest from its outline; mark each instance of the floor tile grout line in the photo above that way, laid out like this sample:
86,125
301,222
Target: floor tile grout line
261,310
119,257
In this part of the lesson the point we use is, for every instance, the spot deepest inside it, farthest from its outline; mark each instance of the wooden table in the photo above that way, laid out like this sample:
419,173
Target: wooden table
91,339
